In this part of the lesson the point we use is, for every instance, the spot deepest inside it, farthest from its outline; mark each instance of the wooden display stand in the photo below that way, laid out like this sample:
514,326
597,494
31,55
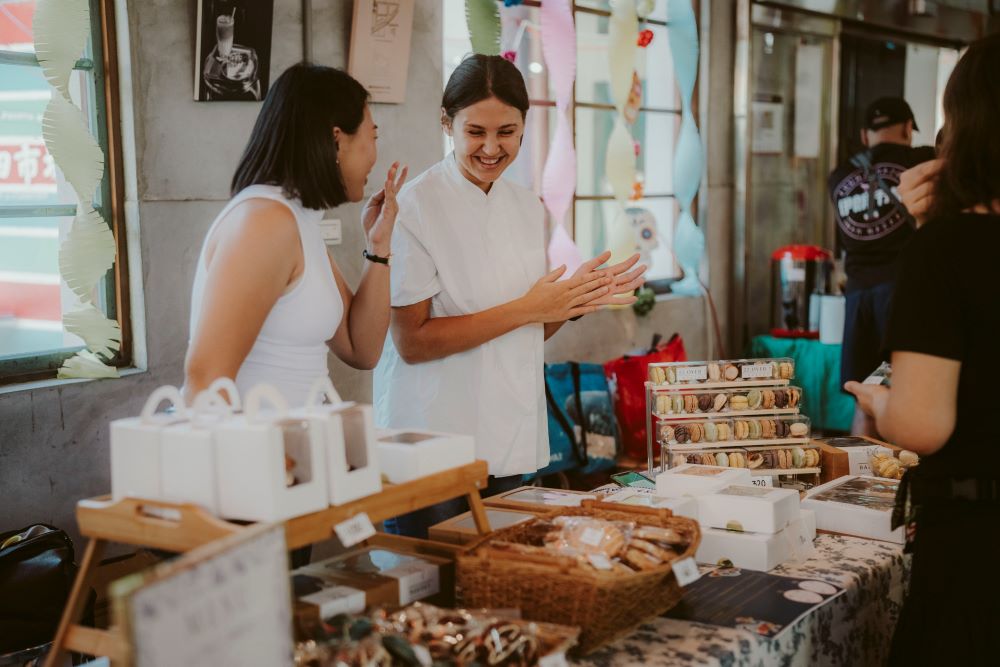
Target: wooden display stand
182,527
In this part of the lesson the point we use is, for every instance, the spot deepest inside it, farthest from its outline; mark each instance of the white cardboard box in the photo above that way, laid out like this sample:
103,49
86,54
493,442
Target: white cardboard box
694,480
682,506
758,551
251,450
856,505
136,444
406,455
188,466
752,509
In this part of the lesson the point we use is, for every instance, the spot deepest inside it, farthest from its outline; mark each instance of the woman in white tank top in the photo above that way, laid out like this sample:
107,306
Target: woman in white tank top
268,301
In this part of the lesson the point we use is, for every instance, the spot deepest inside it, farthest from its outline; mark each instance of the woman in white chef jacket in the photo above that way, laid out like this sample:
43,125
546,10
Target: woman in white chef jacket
472,299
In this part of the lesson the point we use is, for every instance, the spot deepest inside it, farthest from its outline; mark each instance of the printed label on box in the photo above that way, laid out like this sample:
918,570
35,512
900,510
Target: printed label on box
692,373
753,371
417,581
337,600
356,529
750,491
686,571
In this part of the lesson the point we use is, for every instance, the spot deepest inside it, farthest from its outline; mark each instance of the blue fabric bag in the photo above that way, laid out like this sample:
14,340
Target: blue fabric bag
583,432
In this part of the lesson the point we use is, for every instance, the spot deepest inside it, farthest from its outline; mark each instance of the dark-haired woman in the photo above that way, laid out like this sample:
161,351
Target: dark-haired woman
473,301
943,337
268,300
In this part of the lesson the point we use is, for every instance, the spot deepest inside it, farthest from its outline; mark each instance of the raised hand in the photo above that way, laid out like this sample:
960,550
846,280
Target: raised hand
916,188
625,279
379,214
554,300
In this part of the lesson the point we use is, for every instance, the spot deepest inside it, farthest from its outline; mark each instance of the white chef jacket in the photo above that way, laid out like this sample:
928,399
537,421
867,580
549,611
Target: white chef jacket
469,251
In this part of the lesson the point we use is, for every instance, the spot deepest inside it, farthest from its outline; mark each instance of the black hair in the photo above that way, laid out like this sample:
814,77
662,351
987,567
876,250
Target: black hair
480,77
292,142
970,144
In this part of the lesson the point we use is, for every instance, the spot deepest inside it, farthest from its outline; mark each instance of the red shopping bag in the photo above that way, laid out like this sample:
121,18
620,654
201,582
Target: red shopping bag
626,382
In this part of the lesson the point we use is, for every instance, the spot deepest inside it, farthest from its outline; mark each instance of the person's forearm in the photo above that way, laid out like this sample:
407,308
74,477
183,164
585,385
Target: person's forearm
551,328
368,319
440,337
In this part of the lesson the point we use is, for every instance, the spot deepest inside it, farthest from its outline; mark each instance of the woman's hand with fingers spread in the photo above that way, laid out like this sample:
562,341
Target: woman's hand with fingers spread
554,300
916,188
379,215
625,276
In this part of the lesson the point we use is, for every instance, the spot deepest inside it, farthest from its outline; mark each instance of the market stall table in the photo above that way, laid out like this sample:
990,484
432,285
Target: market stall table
817,371
852,629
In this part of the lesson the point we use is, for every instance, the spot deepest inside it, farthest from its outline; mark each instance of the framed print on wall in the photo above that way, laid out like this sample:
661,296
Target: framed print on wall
380,47
232,57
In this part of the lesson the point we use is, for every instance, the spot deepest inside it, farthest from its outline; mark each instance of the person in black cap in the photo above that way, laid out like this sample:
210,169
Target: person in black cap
873,226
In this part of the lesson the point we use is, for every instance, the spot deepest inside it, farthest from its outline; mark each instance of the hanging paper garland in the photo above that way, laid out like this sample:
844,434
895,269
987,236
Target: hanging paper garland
559,174
483,19
61,29
689,240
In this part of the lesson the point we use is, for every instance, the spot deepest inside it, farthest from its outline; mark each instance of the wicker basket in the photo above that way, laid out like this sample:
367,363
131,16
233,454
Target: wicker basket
605,605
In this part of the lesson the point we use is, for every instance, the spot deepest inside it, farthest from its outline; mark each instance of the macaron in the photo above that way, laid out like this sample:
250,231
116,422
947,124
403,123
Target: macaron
793,397
720,402
780,398
738,402
781,429
666,433
722,459
690,403
755,460
671,375
798,457
811,458
908,458
754,430
677,460
798,429
775,369
723,432
682,434
782,459
768,428
768,399
662,404
770,459
711,432
707,459
697,433
754,399
705,402
786,370
677,404
652,374
730,372
714,372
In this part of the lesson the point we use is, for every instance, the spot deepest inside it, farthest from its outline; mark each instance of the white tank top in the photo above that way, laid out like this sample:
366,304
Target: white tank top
290,350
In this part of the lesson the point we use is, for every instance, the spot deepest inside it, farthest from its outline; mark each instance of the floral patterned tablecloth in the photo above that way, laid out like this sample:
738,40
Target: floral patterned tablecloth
853,629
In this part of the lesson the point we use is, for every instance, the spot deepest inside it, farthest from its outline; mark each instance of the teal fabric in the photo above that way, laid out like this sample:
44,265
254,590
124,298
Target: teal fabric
817,371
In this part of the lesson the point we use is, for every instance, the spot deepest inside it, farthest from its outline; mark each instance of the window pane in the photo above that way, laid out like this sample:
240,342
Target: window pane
15,26
659,13
594,219
655,132
592,76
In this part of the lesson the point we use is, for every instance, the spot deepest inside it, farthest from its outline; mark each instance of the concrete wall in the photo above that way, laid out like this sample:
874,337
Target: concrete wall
54,439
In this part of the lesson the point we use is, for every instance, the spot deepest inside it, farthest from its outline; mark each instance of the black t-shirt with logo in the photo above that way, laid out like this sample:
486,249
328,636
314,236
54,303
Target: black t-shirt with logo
873,236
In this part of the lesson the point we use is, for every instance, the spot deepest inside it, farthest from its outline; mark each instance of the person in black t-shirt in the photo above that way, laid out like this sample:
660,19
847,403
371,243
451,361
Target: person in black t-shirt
943,337
872,228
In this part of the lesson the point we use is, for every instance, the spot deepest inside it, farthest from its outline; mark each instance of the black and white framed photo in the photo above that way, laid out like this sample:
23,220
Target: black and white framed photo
233,50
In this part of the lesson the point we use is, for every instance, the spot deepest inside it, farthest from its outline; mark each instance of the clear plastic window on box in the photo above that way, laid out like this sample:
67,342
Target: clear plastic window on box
726,372
743,401
742,430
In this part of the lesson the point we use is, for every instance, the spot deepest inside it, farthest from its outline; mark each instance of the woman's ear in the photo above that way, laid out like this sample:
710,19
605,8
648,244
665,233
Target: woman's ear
446,122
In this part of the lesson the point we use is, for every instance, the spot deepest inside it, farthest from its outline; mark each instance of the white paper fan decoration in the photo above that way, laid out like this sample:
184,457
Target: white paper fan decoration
101,335
61,29
72,147
87,252
86,364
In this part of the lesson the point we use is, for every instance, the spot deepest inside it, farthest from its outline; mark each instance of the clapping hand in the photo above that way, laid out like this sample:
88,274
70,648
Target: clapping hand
625,279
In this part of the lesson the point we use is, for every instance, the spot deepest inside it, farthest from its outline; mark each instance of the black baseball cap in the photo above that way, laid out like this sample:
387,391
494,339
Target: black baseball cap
887,111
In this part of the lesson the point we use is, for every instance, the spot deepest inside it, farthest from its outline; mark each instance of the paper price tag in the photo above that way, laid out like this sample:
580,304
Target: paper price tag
692,373
356,529
686,571
762,480
553,660
592,536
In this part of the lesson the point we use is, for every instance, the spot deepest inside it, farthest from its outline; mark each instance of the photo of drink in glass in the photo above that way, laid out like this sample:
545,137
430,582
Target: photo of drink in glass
233,49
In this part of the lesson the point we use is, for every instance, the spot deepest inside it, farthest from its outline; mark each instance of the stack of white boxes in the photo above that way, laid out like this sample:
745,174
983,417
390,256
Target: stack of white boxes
752,527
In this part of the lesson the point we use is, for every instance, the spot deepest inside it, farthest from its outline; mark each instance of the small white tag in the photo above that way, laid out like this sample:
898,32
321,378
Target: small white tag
592,536
356,529
599,561
873,379
691,373
416,581
753,371
796,274
553,660
686,571
762,480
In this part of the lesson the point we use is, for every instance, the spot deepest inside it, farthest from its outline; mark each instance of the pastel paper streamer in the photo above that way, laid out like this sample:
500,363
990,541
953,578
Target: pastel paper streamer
689,159
61,30
483,19
559,174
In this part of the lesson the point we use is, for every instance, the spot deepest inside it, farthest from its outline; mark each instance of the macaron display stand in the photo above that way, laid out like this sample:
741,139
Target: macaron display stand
736,412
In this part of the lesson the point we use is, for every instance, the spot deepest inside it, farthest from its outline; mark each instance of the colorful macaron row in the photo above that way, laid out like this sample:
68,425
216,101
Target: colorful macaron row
777,428
727,400
772,459
737,370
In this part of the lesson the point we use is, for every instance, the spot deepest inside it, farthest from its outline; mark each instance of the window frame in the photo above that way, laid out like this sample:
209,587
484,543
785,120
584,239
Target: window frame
660,285
44,365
